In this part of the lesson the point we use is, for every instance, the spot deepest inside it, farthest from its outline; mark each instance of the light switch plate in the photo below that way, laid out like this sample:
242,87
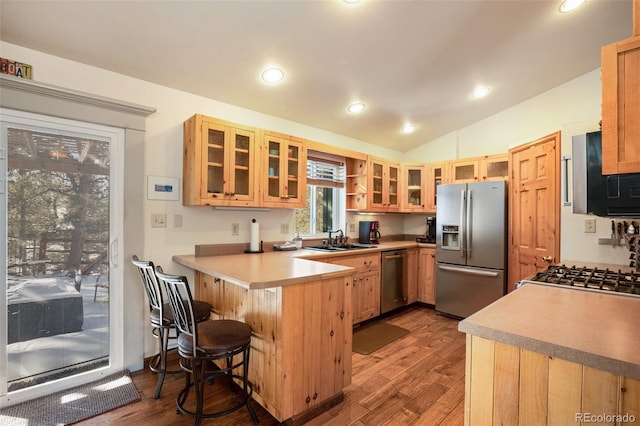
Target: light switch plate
589,225
158,220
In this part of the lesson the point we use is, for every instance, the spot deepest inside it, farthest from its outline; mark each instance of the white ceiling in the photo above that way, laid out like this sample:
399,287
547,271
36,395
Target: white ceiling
409,61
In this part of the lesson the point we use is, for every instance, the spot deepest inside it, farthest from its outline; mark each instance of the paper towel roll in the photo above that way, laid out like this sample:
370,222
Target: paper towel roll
254,245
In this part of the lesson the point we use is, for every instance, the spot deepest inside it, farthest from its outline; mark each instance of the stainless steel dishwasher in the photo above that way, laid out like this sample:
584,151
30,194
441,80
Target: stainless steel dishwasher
393,291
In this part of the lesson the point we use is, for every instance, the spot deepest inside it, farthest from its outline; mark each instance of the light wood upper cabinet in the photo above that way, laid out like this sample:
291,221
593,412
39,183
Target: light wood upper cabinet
284,171
621,106
464,170
383,185
356,184
414,188
437,174
494,167
219,163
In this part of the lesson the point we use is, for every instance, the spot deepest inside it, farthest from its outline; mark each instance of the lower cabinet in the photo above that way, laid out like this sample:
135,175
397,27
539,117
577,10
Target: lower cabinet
366,285
426,275
366,296
411,274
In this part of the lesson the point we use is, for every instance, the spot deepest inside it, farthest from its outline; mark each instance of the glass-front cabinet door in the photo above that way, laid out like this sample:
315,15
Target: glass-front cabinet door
414,188
219,163
436,176
376,184
384,181
284,170
392,184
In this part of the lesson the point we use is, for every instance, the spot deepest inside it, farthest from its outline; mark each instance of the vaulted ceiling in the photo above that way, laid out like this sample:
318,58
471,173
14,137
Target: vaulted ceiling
408,61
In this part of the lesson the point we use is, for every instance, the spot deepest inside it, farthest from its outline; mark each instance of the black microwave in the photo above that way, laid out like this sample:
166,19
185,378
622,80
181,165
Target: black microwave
608,195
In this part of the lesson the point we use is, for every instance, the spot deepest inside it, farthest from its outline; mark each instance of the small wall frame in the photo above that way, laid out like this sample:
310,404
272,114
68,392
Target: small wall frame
163,188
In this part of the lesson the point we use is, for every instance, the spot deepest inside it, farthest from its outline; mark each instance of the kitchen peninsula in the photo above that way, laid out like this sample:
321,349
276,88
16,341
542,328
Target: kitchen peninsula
300,313
300,310
552,355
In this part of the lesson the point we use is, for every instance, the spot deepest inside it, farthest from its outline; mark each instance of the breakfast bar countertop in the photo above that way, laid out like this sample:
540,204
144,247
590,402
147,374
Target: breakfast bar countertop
264,270
279,268
591,328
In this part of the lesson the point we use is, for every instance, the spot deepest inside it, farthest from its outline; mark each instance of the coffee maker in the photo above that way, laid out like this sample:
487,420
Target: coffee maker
430,232
369,233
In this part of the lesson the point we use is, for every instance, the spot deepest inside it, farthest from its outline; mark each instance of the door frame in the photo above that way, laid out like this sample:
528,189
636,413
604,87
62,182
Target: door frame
116,293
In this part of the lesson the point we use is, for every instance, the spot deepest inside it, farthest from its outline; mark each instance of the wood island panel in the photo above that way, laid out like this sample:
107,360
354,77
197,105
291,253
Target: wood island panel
549,355
512,386
302,339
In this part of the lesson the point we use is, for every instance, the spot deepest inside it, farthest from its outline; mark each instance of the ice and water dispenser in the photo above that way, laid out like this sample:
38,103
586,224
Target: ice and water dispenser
450,237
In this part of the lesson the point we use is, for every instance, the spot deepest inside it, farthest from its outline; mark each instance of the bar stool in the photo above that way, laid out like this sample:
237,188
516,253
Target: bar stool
202,343
162,319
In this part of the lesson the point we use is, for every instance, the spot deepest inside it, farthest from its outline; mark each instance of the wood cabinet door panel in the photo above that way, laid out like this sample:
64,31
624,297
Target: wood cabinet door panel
426,276
621,107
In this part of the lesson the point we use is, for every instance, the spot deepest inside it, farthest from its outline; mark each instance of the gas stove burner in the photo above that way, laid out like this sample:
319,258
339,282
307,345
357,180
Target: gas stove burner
591,278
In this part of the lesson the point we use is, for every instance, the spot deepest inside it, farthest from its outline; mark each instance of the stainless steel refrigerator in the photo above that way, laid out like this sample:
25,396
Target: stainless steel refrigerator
470,246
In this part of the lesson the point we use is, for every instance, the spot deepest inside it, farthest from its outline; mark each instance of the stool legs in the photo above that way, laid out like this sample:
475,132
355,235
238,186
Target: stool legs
158,364
197,375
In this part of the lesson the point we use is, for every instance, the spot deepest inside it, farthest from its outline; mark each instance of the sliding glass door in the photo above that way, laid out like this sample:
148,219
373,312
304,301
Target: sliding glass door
60,282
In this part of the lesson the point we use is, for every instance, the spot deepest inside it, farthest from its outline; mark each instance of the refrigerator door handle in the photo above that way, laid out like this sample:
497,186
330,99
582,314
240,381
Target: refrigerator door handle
462,230
467,227
468,271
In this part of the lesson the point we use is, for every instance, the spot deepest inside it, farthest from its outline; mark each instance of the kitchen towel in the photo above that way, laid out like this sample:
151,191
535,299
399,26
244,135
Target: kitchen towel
254,244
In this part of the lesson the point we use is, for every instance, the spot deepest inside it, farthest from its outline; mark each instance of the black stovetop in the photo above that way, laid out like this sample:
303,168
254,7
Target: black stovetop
591,278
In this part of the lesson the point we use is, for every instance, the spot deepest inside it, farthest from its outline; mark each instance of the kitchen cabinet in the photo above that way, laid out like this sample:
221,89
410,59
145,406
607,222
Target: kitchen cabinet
284,171
411,274
356,184
464,170
219,163
494,167
621,106
426,275
414,188
437,174
383,185
366,285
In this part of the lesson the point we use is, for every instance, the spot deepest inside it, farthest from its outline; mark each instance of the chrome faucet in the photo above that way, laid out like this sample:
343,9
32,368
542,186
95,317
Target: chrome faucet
336,240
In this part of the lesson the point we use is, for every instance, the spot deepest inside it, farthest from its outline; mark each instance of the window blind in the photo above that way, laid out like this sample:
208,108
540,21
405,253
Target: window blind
324,171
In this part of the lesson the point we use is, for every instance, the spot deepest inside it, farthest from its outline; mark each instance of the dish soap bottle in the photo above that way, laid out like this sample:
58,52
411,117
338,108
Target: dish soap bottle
297,240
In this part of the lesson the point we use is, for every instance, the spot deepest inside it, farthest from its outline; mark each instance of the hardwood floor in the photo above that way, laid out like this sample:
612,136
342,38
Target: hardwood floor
416,380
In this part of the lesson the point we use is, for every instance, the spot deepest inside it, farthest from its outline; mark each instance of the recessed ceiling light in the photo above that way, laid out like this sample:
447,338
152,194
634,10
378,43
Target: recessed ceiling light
480,92
272,75
569,5
408,128
356,108
351,1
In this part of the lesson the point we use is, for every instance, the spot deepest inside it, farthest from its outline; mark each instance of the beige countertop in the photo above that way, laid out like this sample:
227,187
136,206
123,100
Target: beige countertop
280,268
591,328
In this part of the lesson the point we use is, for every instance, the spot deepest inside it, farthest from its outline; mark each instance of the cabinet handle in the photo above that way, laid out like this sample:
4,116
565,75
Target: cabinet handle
216,280
308,400
315,395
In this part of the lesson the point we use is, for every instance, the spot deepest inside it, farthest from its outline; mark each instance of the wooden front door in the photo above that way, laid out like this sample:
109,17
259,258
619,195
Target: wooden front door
534,207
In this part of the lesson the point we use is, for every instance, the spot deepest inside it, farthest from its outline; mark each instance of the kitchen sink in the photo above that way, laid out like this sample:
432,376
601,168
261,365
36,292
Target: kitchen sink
341,248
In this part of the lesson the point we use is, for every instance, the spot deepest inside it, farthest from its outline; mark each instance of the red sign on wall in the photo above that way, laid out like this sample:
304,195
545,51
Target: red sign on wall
18,69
